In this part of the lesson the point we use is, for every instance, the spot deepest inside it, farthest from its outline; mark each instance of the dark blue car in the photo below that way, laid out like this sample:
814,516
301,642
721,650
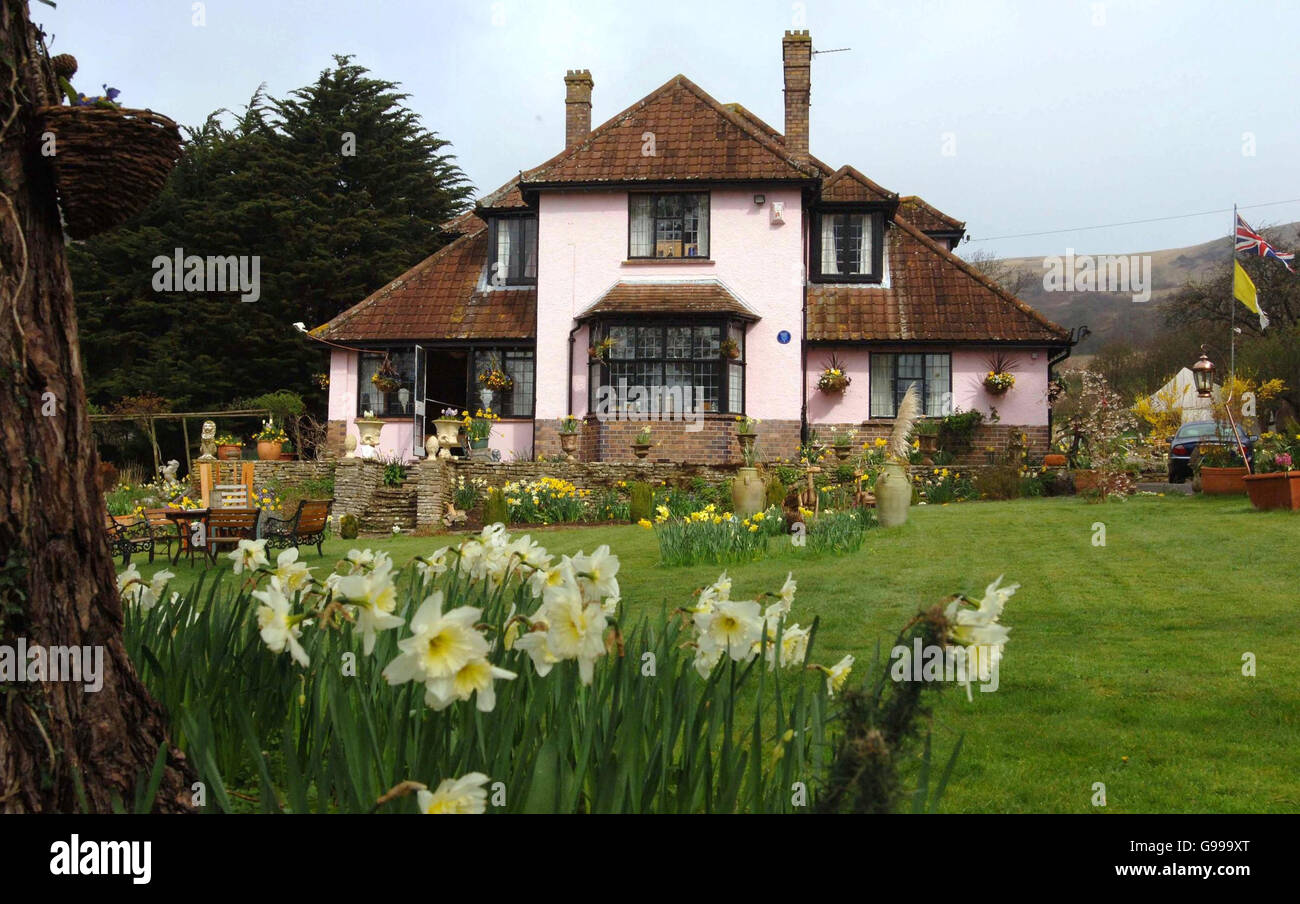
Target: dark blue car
1194,436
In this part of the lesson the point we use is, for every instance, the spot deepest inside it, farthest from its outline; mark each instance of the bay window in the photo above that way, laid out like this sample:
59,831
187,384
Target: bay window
668,367
892,374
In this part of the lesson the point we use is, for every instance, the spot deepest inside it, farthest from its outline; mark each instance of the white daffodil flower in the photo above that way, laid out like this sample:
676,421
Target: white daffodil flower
577,632
706,661
466,794
600,570
787,590
429,567
279,627
439,646
733,626
537,644
476,677
837,674
292,573
249,554
375,596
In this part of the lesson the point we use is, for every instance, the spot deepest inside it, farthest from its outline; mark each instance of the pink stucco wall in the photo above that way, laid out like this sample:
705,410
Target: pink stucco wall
582,247
1024,405
509,437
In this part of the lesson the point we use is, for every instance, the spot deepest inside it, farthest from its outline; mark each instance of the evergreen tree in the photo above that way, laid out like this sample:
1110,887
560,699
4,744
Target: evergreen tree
336,189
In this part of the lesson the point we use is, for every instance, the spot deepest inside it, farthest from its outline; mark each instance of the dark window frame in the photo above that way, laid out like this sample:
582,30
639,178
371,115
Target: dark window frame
877,218
471,374
894,394
727,328
512,278
654,197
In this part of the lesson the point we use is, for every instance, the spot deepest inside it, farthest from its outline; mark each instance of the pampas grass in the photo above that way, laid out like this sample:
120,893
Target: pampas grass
909,412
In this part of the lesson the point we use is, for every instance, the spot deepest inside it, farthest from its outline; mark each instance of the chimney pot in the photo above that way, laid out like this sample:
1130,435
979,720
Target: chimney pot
577,106
796,54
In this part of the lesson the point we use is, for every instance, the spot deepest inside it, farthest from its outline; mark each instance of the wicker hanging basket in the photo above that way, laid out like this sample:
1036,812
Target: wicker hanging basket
108,164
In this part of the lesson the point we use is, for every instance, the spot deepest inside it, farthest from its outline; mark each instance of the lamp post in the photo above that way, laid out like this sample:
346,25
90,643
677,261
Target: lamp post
1203,377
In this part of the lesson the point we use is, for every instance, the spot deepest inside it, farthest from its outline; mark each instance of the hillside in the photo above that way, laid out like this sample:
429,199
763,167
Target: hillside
1111,315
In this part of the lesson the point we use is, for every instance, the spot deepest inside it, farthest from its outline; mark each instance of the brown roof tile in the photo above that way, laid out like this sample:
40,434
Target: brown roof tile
927,218
438,299
849,185
695,139
699,297
933,296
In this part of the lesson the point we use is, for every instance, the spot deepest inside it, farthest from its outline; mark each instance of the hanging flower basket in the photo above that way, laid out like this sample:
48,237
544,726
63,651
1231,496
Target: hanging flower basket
108,164
998,382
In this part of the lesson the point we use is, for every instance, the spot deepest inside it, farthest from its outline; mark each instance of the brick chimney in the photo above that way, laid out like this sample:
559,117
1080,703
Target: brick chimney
796,53
577,106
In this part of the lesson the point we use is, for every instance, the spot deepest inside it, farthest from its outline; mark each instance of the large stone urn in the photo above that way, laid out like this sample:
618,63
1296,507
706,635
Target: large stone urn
448,429
368,430
569,443
893,495
748,493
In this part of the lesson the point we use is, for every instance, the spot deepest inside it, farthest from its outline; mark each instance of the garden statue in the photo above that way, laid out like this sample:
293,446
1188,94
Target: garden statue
168,471
431,446
350,446
454,516
208,442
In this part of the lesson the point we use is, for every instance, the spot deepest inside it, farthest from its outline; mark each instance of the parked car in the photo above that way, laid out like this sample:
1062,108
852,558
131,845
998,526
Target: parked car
1195,436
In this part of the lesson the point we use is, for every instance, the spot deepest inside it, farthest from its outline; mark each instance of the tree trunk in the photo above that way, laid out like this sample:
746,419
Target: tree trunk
61,748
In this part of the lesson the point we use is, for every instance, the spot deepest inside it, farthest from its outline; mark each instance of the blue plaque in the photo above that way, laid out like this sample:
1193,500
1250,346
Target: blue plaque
783,337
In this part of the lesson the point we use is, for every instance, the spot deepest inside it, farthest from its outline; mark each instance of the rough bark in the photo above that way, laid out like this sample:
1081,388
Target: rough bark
57,583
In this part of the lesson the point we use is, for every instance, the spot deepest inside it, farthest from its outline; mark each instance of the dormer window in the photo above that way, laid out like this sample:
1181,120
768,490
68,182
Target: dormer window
514,251
849,246
668,225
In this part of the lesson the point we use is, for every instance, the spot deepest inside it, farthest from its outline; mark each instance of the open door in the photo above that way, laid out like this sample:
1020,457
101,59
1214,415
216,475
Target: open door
417,419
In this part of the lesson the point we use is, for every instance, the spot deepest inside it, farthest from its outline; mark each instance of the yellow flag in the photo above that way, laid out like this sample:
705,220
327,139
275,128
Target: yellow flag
1244,291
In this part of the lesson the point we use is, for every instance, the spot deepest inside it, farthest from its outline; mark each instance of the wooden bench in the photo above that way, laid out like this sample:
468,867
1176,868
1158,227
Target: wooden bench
305,527
164,531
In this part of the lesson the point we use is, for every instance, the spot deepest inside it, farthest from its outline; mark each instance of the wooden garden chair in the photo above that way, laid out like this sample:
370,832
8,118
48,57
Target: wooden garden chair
227,526
164,530
306,526
230,495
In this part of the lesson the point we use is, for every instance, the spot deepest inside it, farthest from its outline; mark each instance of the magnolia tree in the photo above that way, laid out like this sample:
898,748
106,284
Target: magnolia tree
1100,430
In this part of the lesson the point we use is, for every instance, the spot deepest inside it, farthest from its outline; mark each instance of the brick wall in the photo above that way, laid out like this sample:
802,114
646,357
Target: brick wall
355,482
995,437
291,472
714,443
336,433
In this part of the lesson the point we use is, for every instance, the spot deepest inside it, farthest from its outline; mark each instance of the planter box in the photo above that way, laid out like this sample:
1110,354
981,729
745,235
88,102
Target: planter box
1223,481
1274,491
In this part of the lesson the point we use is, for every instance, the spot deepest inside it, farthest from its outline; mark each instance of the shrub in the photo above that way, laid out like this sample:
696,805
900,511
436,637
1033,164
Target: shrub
348,527
495,510
775,494
609,506
999,482
641,505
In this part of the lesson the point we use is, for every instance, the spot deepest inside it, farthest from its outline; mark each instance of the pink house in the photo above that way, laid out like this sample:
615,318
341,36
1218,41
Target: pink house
682,264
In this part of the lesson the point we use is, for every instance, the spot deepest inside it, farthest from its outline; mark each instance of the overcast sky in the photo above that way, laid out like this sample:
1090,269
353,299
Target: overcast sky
1059,114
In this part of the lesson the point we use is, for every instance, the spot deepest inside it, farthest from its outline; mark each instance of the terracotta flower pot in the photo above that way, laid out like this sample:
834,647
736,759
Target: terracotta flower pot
229,452
1223,481
268,451
1085,480
1274,491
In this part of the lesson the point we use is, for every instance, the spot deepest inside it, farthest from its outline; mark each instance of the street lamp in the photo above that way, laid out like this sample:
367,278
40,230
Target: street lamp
1203,374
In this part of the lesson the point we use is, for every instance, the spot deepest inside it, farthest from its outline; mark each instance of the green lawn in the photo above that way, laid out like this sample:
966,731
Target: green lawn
1132,650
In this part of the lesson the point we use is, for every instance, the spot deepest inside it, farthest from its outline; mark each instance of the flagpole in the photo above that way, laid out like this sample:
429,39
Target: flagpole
1232,323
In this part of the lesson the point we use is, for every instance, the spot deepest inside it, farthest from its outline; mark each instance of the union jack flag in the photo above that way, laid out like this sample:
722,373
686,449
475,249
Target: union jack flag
1251,242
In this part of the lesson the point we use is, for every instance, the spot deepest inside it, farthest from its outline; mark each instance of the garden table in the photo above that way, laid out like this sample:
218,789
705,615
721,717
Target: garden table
185,519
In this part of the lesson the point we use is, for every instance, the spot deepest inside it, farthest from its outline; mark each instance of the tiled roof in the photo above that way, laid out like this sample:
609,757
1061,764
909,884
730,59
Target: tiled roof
695,139
468,222
440,298
933,296
507,197
696,297
849,185
927,218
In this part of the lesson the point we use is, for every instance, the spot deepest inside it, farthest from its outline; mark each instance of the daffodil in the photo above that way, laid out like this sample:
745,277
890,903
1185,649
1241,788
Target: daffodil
577,632
439,646
456,795
837,674
249,554
732,626
375,597
474,678
279,627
